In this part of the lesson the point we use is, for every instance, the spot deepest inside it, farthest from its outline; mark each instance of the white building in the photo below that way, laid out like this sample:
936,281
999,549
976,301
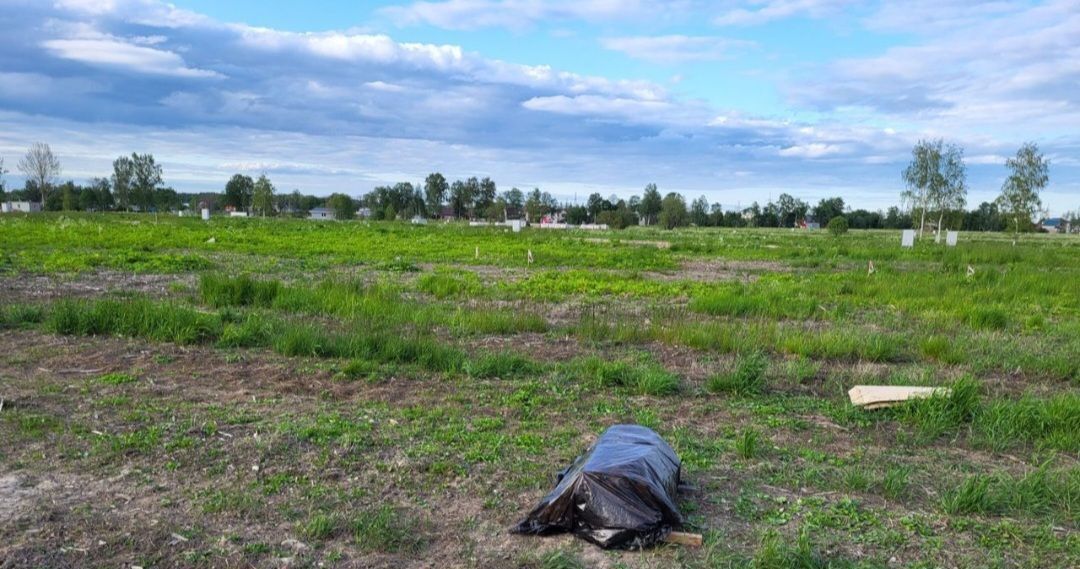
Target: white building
24,207
321,213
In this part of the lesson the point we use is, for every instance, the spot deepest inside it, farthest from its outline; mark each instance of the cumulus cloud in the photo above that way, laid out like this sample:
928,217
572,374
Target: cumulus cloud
676,48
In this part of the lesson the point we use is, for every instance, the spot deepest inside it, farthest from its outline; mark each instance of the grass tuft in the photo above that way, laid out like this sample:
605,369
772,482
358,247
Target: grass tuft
388,530
747,379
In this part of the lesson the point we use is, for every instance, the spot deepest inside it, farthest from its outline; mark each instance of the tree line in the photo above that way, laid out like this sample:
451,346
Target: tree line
935,193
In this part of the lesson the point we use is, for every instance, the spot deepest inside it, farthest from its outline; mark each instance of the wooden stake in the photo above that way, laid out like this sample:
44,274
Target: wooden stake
683,538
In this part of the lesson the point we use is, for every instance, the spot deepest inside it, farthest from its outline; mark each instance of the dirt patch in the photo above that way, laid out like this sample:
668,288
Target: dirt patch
719,271
39,288
18,494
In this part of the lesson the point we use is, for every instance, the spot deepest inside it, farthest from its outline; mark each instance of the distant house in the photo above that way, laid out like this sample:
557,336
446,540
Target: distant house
1054,225
447,213
24,207
514,212
321,213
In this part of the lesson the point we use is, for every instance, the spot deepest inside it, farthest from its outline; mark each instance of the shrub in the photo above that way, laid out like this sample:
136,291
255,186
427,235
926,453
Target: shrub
838,225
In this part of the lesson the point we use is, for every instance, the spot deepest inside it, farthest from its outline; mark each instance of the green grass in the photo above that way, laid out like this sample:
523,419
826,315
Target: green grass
163,322
116,379
220,291
387,529
747,379
747,444
932,417
1042,491
643,378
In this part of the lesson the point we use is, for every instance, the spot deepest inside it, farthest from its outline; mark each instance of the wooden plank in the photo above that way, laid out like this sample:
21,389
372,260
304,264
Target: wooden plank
879,396
683,538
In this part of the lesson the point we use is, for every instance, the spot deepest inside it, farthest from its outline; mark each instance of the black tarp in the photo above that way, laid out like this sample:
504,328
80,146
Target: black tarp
619,494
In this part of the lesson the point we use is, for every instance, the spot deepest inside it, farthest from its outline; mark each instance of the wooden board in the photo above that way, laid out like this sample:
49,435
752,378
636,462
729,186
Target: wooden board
683,538
879,396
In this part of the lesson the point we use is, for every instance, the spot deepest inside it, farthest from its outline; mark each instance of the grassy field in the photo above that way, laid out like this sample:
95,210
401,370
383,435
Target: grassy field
248,392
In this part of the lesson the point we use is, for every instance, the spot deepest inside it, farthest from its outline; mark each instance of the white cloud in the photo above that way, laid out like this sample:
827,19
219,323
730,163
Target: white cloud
517,14
812,150
118,53
675,48
1014,75
597,105
754,12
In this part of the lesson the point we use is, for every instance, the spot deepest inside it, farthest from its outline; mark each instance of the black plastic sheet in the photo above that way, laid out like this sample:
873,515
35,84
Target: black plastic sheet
619,494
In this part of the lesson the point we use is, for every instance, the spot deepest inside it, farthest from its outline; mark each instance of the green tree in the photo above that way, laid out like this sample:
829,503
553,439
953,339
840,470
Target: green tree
123,173
166,199
514,198
88,199
716,215
673,212
952,196
651,204
935,180
595,205
1029,172
838,225
485,195
496,211
145,180
262,199
2,172
699,212
239,191
344,207
435,191
534,206
68,194
576,215
102,188
828,208
462,195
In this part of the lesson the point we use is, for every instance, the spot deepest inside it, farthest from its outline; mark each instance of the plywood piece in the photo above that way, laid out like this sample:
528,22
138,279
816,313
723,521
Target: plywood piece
879,396
907,238
683,538
950,238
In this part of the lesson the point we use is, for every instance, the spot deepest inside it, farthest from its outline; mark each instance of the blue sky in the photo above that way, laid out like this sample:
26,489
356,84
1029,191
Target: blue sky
735,100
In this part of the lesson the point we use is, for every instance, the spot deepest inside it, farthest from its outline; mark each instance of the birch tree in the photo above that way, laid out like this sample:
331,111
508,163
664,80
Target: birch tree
952,193
936,180
1029,174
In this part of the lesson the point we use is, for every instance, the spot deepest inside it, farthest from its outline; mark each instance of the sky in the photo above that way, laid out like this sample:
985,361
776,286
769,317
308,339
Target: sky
738,101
